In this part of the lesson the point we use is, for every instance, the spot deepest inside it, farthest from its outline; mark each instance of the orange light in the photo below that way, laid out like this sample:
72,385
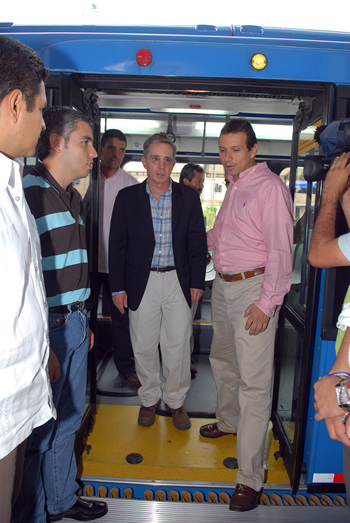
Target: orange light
258,62
195,106
143,57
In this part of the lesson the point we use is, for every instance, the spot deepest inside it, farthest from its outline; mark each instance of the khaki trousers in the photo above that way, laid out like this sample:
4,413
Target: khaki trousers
164,318
242,366
11,468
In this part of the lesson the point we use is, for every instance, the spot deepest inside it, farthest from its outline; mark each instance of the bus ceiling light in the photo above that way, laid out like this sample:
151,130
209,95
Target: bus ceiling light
258,62
143,57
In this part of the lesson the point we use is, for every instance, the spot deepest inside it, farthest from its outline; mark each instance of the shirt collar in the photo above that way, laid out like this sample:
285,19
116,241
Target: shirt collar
166,193
42,171
8,168
113,175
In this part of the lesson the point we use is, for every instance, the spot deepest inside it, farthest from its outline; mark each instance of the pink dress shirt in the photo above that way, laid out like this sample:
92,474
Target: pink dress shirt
254,228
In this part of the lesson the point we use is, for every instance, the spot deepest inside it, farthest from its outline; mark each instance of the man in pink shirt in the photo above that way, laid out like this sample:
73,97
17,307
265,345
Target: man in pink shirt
251,241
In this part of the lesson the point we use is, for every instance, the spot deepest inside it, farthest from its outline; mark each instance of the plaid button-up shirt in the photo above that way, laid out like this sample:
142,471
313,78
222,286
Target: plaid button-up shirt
163,255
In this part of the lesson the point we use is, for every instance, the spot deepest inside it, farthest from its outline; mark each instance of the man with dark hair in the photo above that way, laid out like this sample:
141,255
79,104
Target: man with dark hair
49,478
112,178
157,259
251,241
25,393
22,69
193,176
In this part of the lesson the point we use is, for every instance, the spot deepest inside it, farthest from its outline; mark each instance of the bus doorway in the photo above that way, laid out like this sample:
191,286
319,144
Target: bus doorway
124,105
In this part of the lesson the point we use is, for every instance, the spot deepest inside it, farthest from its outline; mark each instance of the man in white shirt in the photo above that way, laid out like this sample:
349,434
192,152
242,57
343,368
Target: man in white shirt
25,393
112,179
328,251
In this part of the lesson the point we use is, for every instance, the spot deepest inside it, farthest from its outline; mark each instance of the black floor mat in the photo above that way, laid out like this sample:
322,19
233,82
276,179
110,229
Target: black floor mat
200,400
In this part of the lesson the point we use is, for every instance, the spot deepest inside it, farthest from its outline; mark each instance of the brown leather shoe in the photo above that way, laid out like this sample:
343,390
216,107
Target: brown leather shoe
181,421
147,415
244,498
212,431
132,380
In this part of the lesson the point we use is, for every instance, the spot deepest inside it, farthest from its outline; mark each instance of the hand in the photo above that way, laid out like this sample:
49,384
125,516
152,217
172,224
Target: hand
339,431
326,399
257,320
196,295
91,340
120,301
53,367
337,179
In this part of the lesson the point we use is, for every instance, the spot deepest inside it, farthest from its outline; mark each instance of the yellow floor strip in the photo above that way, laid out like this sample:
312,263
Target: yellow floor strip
168,453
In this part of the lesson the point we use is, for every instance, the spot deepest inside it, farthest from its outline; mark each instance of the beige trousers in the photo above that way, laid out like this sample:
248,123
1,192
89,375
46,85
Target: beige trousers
164,318
11,468
242,366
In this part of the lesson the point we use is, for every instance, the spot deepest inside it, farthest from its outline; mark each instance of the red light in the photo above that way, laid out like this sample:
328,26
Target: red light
143,57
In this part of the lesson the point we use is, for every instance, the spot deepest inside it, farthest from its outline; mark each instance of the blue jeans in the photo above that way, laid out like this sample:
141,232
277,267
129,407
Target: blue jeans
49,476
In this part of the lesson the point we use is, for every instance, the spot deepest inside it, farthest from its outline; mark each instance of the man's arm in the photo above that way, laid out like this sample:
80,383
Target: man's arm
277,232
324,249
325,397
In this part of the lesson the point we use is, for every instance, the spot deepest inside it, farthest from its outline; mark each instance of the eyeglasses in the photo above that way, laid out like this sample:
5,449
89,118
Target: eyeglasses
158,159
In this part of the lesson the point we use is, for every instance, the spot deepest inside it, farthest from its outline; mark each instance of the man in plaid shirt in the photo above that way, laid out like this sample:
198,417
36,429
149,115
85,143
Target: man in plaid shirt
157,262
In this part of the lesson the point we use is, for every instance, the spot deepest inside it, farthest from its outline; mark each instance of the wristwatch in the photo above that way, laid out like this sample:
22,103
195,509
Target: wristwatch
342,390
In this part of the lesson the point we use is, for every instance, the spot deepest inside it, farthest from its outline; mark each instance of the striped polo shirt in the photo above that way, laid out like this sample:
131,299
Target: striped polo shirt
62,236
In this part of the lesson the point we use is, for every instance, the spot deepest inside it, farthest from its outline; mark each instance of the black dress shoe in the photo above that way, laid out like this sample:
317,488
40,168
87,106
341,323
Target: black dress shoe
244,498
82,510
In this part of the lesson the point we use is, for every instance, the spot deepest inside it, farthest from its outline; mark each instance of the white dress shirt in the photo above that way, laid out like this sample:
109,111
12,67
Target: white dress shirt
25,391
108,190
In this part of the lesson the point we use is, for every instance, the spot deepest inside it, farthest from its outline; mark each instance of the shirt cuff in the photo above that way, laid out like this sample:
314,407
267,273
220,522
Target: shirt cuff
266,308
344,317
119,292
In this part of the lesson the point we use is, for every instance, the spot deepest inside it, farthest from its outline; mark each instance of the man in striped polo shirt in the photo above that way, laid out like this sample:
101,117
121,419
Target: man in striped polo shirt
66,152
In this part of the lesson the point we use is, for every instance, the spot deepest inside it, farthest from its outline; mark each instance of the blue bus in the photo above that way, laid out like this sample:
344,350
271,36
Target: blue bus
188,81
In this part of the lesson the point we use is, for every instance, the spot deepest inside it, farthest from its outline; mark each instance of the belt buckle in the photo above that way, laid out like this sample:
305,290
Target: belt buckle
76,307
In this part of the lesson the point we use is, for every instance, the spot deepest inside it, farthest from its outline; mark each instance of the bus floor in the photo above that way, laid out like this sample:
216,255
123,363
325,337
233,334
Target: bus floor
182,466
168,454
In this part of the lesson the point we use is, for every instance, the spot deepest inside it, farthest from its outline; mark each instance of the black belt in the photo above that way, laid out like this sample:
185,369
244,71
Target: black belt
64,309
163,269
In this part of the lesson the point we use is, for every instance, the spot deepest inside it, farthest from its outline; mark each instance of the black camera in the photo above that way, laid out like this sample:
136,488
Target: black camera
335,140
